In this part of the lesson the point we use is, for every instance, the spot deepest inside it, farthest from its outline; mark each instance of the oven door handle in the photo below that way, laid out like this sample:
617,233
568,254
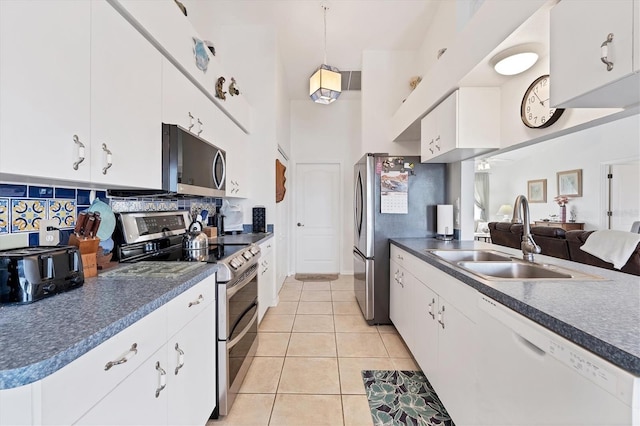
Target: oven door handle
236,288
239,337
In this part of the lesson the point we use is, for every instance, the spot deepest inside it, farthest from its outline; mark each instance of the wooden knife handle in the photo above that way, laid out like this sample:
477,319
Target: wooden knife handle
80,222
89,225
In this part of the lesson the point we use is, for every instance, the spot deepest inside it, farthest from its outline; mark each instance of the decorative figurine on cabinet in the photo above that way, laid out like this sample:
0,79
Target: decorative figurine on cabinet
200,54
220,94
233,90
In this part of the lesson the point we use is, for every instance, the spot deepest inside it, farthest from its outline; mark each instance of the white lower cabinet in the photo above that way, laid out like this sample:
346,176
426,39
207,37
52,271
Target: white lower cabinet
141,399
438,334
191,384
266,278
160,370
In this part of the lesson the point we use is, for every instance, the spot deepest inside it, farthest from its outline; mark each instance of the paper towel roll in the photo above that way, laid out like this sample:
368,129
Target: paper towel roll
444,219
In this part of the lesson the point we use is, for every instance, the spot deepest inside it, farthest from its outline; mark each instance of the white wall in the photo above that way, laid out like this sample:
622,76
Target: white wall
327,134
385,83
588,150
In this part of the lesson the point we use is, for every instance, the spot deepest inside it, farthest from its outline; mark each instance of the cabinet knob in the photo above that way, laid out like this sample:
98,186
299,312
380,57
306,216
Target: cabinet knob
133,350
191,124
199,300
180,358
109,161
604,47
441,317
80,159
162,376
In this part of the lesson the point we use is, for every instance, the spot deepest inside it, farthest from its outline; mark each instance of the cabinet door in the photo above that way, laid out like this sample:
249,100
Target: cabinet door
192,375
266,279
400,301
45,85
125,103
576,68
428,133
425,350
456,378
178,96
447,116
138,400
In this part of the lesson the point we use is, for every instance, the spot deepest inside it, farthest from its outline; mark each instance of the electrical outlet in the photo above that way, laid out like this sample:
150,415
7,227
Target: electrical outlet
49,238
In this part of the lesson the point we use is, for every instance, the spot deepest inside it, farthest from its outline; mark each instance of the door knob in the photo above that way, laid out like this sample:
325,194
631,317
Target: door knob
300,224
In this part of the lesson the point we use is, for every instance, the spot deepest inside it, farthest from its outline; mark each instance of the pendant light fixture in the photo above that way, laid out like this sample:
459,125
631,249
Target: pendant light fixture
326,83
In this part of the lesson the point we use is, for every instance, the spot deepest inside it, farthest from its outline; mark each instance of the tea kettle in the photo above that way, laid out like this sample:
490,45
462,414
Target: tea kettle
195,243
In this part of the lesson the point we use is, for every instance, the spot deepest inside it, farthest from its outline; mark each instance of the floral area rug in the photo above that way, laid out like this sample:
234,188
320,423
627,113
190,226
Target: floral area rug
403,398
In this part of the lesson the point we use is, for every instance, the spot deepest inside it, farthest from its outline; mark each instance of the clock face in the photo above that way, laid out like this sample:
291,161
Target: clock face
535,110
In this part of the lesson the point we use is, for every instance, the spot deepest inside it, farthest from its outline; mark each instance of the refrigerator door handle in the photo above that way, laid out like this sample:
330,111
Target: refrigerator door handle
363,283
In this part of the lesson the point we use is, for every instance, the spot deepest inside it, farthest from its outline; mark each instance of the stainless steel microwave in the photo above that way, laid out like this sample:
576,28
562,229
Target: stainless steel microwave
190,166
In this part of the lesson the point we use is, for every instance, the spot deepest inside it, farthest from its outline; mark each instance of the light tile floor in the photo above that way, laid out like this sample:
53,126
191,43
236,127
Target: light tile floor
312,348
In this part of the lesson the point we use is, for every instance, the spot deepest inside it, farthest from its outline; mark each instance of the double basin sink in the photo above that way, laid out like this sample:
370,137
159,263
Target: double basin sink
495,265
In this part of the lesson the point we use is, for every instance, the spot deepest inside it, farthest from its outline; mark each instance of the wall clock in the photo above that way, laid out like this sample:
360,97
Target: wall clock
535,111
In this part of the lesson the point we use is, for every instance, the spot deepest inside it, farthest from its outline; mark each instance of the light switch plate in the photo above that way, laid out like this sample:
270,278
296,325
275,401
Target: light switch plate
49,238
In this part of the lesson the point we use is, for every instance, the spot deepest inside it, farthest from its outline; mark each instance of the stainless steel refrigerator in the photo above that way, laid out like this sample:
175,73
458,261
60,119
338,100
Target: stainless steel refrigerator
372,228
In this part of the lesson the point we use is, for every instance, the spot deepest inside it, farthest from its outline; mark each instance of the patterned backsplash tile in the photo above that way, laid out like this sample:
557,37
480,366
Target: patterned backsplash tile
23,206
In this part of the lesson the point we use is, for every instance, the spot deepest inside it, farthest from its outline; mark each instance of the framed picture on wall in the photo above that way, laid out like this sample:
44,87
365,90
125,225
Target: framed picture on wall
570,183
537,191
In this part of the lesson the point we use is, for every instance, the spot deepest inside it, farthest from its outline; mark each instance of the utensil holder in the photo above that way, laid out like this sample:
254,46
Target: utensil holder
88,249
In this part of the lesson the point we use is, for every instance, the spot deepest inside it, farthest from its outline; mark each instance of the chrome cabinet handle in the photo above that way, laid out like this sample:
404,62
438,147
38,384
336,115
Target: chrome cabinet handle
604,47
400,280
80,159
133,350
300,224
199,127
400,257
433,302
180,359
441,317
162,379
191,124
199,300
109,159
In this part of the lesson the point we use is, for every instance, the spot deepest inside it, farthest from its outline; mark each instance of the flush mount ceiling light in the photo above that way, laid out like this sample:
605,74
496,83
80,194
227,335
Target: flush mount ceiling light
326,83
516,59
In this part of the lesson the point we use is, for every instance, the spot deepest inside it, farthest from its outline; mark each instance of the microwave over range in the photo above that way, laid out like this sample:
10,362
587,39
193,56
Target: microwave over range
190,166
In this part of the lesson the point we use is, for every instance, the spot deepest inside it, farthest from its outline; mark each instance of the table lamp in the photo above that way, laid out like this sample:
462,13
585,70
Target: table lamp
506,211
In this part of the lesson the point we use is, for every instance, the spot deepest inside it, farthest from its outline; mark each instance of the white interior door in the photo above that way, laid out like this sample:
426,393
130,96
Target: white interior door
317,218
624,196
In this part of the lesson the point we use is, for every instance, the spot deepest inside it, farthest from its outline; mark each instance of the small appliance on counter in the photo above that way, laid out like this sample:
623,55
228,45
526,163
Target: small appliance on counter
232,218
32,273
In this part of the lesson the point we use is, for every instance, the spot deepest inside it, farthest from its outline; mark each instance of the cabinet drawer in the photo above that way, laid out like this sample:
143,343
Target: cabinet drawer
187,305
73,390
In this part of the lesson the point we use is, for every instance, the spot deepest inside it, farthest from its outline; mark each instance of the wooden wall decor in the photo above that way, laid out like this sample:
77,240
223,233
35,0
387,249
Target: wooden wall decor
280,180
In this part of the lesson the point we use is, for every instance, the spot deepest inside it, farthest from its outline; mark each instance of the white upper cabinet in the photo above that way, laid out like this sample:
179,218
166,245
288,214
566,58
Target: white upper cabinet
580,39
88,108
125,103
172,33
465,124
183,104
45,88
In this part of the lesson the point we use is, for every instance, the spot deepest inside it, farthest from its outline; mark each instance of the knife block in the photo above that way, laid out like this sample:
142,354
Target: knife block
88,250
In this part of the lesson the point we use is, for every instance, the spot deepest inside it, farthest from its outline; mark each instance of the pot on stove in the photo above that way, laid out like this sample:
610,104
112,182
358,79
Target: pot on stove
195,243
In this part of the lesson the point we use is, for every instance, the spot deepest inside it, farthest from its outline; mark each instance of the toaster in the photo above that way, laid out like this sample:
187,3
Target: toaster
32,273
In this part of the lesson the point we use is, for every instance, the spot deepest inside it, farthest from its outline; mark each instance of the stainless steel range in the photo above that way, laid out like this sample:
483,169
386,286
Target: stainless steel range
153,237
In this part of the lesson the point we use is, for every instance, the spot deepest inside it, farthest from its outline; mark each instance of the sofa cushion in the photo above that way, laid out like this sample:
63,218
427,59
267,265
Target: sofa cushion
575,240
551,240
506,234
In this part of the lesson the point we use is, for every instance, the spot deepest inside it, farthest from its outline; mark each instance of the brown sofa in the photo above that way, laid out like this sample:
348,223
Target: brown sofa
558,243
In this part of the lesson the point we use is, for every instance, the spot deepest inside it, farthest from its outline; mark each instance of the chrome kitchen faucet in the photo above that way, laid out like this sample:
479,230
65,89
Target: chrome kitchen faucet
528,245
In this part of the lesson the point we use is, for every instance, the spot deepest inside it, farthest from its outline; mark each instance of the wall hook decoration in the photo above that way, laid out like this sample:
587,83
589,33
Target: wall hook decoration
220,94
233,90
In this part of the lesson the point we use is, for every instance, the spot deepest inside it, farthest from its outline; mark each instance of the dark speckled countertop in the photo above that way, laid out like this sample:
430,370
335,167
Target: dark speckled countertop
39,338
601,316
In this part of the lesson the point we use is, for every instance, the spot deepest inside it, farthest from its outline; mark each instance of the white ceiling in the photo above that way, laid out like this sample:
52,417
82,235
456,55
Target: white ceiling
352,27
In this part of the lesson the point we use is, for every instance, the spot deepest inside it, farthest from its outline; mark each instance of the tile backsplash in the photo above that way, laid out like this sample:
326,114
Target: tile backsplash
23,206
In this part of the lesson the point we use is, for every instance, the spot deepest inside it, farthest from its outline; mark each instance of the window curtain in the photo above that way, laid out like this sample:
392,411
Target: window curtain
481,194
